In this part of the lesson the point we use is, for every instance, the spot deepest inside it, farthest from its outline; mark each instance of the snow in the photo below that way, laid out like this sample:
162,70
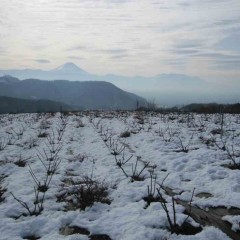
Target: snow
84,153
68,67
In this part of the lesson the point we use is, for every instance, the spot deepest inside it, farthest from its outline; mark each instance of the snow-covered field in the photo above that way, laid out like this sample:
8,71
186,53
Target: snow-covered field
52,166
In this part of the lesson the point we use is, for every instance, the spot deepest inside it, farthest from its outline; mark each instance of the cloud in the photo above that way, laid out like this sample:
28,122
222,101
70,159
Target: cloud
113,51
221,61
76,48
189,44
75,57
187,47
107,51
227,22
3,51
216,55
175,62
185,51
231,43
39,46
118,56
227,65
185,4
119,1
41,61
127,37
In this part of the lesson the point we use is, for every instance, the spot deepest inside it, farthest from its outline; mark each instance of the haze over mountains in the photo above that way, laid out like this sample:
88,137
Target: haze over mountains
77,94
164,89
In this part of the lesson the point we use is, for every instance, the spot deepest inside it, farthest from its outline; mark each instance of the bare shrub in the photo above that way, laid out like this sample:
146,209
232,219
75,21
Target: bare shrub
19,133
30,143
233,154
11,139
77,158
3,189
3,143
79,194
166,134
21,162
79,122
44,124
136,173
50,162
125,134
172,220
216,131
115,146
185,146
152,194
121,161
42,134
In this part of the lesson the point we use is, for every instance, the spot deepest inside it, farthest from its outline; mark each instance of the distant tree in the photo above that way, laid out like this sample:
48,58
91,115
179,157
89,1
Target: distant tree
137,104
152,106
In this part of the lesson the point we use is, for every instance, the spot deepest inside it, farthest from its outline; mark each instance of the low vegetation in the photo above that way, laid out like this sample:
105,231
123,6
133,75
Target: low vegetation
101,166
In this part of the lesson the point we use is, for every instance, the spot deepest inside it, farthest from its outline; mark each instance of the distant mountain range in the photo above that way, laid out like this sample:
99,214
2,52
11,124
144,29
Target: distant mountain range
78,95
212,108
163,89
70,71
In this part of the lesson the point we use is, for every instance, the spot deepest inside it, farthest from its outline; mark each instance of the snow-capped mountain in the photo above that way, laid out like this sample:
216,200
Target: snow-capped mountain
69,67
168,89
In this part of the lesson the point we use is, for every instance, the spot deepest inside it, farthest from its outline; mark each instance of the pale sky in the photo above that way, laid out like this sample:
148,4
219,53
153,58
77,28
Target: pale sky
125,37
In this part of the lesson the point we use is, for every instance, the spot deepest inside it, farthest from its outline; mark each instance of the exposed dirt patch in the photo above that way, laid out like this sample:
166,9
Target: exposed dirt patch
70,230
211,217
231,166
186,229
31,237
204,195
150,199
67,230
99,237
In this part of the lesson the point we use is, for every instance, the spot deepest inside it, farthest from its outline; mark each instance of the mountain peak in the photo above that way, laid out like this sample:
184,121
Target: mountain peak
69,67
8,79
